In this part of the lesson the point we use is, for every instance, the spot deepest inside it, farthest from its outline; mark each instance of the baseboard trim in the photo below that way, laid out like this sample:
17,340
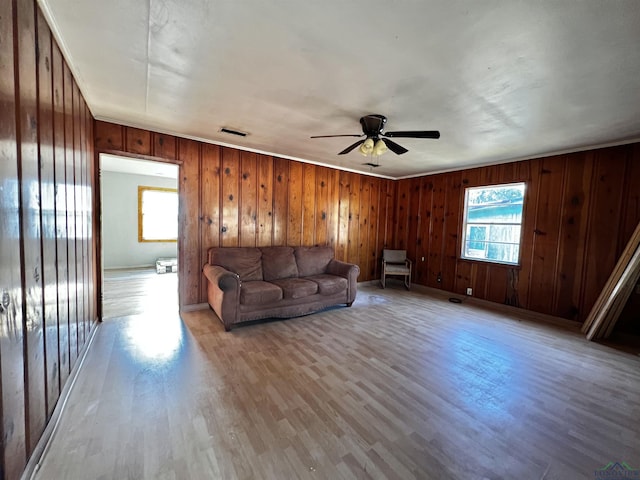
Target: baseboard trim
194,307
42,447
522,313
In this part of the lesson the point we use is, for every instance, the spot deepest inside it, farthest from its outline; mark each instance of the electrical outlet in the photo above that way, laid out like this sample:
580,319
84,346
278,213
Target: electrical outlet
423,259
469,291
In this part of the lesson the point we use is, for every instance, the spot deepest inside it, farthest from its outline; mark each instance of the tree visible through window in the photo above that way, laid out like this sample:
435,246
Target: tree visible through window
157,214
492,223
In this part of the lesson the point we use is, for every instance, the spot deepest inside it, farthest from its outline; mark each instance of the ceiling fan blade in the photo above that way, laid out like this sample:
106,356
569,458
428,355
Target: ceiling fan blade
416,134
351,147
394,147
331,136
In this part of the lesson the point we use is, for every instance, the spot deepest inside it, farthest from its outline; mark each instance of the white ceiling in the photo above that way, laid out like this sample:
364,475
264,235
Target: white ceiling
501,80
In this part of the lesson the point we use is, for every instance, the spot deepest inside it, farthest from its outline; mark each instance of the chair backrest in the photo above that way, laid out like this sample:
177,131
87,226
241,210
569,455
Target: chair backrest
394,256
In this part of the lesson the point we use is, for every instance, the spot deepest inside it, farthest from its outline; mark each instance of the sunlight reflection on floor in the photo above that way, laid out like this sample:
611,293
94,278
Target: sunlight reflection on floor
154,338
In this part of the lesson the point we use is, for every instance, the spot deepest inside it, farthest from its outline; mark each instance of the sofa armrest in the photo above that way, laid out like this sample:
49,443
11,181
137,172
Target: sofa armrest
349,271
342,269
223,278
223,293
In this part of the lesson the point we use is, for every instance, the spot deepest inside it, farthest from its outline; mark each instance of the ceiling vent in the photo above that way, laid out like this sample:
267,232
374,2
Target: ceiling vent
372,165
233,132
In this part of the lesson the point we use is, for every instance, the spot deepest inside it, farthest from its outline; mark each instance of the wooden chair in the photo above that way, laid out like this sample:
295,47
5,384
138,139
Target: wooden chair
396,263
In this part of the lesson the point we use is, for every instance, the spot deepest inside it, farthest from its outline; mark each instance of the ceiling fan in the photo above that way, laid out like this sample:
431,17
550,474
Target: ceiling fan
377,141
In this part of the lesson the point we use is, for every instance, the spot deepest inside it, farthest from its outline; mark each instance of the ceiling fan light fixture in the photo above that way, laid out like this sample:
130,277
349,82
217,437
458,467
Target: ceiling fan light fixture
379,148
367,147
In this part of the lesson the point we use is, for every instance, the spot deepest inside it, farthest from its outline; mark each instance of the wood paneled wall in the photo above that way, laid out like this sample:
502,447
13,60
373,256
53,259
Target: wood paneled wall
48,305
230,197
580,210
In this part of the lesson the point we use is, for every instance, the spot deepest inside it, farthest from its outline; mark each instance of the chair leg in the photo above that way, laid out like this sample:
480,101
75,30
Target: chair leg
382,277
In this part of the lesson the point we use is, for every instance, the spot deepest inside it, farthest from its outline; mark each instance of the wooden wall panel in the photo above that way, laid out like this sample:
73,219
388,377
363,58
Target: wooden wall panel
60,174
359,216
546,231
71,214
11,333
248,199
333,216
413,208
210,181
48,206
453,202
631,195
265,201
138,141
232,197
354,218
342,248
363,227
30,233
321,206
189,251
163,146
78,215
605,212
308,204
280,201
371,247
44,190
110,137
436,235
403,204
579,211
294,204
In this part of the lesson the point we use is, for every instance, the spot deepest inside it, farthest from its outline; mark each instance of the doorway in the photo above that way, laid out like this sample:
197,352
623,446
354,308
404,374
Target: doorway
139,229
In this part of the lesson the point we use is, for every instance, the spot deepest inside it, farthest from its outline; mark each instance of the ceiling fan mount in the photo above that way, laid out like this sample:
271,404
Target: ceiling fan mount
376,140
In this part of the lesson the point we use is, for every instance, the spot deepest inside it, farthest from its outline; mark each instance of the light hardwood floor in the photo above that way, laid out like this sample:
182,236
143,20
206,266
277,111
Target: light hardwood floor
401,385
139,290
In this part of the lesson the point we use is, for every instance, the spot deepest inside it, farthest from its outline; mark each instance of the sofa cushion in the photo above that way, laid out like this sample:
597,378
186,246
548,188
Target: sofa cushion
296,287
258,292
244,261
278,262
329,284
313,260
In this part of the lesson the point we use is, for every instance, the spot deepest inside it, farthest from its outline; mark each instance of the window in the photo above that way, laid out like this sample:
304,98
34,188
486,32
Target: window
157,214
491,231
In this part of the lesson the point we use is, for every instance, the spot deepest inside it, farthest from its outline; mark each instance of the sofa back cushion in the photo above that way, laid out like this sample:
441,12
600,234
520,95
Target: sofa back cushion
278,262
244,261
313,260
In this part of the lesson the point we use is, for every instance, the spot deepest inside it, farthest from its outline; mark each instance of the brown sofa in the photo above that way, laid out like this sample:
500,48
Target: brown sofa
247,283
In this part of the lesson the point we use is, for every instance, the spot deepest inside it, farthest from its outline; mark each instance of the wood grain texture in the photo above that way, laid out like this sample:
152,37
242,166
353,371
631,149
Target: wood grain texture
61,215
188,219
426,221
294,204
30,231
210,181
12,389
71,215
578,209
401,385
248,199
44,207
47,200
265,201
251,199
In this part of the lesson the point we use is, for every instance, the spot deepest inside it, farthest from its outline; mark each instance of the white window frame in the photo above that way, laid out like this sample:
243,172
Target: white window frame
466,223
